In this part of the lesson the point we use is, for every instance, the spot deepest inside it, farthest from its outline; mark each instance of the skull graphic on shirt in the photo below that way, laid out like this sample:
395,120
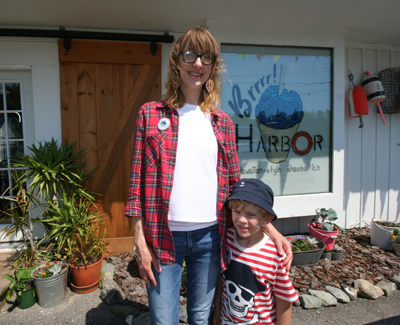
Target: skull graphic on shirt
241,288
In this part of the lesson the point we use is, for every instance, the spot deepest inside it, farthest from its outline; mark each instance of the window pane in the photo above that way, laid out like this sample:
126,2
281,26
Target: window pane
1,97
4,205
14,121
4,183
279,99
2,126
13,97
16,147
3,155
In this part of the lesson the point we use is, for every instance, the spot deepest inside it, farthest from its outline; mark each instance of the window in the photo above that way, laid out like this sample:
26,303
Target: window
11,135
280,101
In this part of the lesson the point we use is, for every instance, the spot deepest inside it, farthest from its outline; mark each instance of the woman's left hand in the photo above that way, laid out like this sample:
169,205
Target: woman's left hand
282,245
286,247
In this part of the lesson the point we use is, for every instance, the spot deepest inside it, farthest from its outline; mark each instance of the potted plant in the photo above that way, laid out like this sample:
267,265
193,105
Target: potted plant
75,221
327,254
24,290
323,228
307,250
395,241
51,169
19,209
337,253
381,230
50,282
40,176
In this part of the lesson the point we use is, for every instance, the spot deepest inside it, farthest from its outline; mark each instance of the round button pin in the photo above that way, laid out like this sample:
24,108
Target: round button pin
163,124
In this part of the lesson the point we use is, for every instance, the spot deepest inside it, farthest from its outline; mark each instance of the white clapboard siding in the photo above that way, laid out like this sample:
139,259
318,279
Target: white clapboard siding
372,153
372,177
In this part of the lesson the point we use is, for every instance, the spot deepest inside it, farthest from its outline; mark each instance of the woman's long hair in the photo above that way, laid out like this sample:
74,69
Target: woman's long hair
200,40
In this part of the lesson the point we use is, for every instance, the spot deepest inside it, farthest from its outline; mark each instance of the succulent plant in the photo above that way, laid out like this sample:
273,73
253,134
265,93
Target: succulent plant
325,217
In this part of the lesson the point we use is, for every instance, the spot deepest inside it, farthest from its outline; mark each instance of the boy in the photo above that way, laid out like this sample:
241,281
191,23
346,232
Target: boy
255,287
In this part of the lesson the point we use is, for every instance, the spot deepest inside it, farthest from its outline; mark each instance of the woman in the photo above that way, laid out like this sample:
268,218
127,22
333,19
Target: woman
184,166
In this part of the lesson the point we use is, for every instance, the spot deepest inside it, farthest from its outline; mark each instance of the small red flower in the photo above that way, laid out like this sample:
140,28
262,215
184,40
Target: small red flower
47,264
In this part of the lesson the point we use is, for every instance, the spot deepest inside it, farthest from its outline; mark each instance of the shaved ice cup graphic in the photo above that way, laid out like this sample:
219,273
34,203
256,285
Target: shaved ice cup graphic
266,133
278,116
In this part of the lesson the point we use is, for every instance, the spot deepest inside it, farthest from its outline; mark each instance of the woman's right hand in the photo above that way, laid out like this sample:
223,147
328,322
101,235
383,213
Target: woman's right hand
145,256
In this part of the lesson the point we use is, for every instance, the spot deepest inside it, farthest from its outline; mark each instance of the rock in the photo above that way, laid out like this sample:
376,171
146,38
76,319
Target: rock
111,292
396,280
394,286
367,290
338,294
183,314
351,292
296,303
108,268
325,263
310,302
386,287
326,298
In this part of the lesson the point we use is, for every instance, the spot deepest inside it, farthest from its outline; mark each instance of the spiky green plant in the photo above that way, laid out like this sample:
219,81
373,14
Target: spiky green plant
71,217
51,168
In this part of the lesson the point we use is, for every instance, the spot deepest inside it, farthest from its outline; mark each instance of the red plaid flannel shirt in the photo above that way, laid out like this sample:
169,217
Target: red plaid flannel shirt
152,174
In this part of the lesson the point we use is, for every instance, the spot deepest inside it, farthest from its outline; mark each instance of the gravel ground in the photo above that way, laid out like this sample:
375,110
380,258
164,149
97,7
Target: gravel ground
89,309
75,309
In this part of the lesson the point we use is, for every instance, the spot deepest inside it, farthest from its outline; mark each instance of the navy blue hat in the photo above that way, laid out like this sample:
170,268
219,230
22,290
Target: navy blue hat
254,191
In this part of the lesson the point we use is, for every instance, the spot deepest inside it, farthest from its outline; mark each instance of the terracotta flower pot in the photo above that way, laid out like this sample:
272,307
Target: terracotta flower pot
83,276
85,289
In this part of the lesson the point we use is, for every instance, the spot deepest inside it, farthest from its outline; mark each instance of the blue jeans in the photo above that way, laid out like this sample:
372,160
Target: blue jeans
201,251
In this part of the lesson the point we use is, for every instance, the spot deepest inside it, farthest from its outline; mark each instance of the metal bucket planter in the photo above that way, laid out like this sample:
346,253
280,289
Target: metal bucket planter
308,257
380,235
51,291
327,255
396,247
337,256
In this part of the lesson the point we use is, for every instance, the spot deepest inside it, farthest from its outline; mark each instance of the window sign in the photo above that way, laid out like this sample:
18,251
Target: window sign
279,99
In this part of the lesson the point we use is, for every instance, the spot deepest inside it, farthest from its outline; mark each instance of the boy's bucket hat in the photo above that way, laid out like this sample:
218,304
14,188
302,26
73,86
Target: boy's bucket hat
254,191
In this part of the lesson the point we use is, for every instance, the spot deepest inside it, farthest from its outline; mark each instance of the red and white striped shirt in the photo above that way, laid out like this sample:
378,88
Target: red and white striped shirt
254,277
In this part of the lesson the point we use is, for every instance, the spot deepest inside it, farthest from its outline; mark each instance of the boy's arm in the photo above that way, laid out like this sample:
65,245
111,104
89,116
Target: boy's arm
283,311
217,302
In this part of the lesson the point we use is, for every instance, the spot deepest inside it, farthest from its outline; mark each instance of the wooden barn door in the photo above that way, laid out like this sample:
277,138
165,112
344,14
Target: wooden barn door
103,85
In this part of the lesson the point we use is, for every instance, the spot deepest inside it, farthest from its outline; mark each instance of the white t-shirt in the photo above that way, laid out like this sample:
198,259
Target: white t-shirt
193,203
